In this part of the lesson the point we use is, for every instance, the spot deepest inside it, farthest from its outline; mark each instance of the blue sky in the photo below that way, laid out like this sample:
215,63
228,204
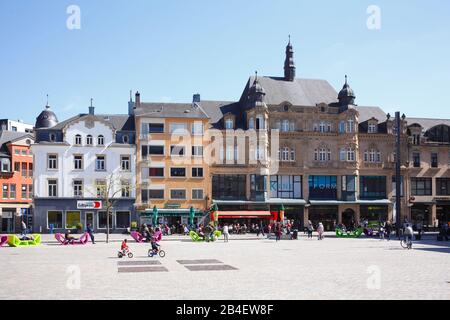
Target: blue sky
170,49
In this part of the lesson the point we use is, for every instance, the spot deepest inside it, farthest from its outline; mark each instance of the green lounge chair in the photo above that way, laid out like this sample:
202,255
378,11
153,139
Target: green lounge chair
353,234
15,241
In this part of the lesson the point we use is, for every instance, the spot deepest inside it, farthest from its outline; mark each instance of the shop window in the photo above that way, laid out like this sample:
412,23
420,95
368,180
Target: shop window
72,219
123,219
102,220
286,187
372,187
55,219
322,187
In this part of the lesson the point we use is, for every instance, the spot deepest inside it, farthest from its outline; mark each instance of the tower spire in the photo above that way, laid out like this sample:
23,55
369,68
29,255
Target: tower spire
46,105
289,64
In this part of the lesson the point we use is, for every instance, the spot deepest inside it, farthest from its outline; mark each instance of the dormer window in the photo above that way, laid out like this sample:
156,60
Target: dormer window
373,128
52,137
260,123
229,124
100,140
78,140
125,139
251,123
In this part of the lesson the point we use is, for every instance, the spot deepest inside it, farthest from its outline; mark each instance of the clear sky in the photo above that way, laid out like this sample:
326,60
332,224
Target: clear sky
170,49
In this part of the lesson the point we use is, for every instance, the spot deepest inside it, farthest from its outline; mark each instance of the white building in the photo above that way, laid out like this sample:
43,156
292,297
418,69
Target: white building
78,162
16,126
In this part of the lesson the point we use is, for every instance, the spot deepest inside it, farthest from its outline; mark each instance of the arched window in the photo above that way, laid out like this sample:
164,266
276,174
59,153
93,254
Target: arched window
101,140
89,140
125,139
322,126
78,140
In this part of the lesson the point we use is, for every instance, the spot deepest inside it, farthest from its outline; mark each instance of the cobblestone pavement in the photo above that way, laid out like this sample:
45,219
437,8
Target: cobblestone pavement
244,268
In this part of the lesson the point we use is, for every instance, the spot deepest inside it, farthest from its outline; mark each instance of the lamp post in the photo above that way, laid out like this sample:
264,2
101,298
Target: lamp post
398,205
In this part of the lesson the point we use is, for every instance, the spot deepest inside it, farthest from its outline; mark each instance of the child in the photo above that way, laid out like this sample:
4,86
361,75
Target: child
124,246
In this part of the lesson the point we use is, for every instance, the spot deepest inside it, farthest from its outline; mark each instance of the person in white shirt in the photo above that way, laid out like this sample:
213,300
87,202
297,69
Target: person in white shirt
225,233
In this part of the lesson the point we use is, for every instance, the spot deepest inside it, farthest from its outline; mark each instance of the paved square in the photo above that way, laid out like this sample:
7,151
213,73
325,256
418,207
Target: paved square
299,269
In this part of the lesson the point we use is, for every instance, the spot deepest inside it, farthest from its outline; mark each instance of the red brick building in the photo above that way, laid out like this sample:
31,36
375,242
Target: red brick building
16,180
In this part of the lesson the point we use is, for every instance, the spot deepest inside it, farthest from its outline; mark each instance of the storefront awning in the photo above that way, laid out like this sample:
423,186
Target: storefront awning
171,212
244,214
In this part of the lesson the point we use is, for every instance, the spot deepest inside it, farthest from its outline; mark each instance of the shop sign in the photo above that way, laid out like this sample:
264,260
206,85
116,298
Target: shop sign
89,205
172,206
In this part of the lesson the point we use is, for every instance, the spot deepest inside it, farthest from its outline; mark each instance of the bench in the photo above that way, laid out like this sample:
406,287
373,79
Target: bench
15,241
3,240
82,241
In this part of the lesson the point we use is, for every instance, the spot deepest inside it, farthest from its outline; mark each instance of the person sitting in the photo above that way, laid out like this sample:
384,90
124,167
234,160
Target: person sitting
124,247
68,238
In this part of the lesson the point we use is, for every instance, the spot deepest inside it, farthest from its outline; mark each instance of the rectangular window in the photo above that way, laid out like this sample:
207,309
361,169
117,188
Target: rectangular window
144,195
322,187
349,188
144,152
102,220
156,150
100,163
24,189
197,194
372,187
78,188
52,188
72,219
177,150
126,188
100,186
179,128
24,169
416,159
434,160
197,128
17,166
156,128
178,172
55,219
258,187
123,219
78,162
125,163
6,165
229,187
156,172
52,162
197,151
156,194
197,172
286,187
178,194
12,191
30,170
421,187
30,191
443,186
5,189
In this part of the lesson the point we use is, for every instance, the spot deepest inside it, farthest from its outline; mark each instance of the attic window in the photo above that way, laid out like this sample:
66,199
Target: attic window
286,107
125,139
52,137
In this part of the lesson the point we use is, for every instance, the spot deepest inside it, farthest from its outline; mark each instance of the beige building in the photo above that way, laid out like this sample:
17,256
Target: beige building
171,172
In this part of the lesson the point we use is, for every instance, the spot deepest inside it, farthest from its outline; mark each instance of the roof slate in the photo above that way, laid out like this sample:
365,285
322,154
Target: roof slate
118,122
171,110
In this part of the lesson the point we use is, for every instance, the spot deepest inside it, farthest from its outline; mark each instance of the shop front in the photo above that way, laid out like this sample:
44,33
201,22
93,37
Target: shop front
374,213
327,214
443,212
422,212
11,218
59,215
175,218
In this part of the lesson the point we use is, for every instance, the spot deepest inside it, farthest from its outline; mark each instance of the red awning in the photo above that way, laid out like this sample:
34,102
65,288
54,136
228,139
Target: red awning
244,214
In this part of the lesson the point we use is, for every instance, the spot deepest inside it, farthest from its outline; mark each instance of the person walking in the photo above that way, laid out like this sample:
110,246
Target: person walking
226,234
310,229
24,228
419,227
409,233
382,230
388,230
90,232
278,232
320,231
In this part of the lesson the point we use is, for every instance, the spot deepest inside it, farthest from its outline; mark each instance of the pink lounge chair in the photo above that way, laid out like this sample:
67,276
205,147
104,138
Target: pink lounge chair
137,236
3,240
82,241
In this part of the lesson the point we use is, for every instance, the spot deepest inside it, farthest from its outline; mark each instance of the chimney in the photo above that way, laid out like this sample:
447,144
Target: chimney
196,98
91,108
137,100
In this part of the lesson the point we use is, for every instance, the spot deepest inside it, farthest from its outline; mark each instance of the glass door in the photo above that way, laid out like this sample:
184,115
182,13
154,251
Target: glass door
90,219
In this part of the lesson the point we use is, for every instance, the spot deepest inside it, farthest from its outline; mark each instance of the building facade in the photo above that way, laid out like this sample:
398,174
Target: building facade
16,180
81,165
15,126
172,174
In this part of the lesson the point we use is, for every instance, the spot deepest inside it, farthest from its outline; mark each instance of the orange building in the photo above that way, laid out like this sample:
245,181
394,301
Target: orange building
16,180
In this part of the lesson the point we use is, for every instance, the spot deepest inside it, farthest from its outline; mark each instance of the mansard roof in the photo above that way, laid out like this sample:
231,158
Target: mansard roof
171,110
427,123
118,122
299,92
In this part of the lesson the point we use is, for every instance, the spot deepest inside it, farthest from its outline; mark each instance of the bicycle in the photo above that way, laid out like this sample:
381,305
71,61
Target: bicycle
406,243
152,252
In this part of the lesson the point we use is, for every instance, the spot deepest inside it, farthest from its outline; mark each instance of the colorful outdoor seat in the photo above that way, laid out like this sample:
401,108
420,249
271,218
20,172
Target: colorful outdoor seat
137,236
82,241
196,238
349,234
3,240
15,241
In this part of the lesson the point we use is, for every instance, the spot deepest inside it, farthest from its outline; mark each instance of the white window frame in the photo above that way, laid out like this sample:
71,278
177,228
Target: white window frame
198,189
